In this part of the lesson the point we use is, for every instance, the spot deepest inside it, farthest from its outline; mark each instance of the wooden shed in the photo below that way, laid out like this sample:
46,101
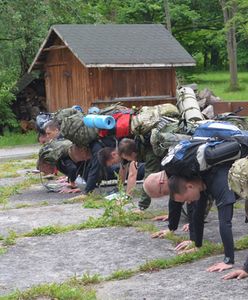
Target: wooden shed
100,64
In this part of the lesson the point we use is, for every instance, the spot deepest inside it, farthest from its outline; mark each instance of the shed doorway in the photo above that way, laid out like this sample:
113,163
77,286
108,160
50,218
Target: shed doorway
56,80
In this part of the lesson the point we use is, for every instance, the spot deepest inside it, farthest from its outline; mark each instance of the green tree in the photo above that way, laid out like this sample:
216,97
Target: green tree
229,11
7,83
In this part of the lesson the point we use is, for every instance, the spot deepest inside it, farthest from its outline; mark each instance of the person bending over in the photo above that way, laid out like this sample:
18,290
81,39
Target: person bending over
140,151
52,130
110,156
156,186
213,182
63,156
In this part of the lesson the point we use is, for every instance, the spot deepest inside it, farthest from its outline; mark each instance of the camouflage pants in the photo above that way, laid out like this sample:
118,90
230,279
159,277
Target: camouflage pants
152,165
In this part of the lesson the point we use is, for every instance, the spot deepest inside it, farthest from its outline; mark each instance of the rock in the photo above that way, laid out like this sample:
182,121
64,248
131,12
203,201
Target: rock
206,93
208,112
202,103
212,99
193,86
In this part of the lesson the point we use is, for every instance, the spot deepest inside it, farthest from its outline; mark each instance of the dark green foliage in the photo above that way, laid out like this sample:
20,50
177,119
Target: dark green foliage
7,117
197,25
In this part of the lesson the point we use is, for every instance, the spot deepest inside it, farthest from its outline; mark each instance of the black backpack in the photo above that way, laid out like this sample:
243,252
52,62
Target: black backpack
189,158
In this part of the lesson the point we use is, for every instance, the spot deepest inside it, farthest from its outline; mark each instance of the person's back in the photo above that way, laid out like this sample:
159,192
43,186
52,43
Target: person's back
141,151
196,189
94,173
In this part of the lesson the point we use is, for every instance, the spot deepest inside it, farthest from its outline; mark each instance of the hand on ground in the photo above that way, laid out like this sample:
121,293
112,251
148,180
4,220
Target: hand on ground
219,267
185,227
162,218
62,179
239,274
160,234
191,250
137,211
69,191
185,245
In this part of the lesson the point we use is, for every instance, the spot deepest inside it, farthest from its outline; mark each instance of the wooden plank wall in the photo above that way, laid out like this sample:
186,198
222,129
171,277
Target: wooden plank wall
68,82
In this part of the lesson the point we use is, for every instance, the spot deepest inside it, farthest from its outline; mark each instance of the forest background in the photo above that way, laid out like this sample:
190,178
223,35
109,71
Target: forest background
214,32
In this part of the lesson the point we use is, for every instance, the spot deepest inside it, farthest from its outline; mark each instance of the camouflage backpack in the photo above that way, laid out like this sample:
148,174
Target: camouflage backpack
238,180
167,133
73,129
161,141
52,151
149,116
238,177
111,109
61,114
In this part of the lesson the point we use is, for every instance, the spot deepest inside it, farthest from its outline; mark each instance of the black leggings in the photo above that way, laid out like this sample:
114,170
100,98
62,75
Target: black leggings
225,214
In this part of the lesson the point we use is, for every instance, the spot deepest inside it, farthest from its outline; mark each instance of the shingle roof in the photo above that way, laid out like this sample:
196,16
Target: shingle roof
120,45
25,80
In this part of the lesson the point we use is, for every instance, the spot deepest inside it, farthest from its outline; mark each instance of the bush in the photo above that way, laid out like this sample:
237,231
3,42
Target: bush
7,83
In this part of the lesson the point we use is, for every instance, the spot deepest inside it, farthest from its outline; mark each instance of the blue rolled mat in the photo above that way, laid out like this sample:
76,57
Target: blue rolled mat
99,121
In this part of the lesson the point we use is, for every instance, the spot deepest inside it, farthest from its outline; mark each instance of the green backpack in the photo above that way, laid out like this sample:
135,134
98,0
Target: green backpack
149,116
61,114
238,180
52,151
163,138
73,129
238,177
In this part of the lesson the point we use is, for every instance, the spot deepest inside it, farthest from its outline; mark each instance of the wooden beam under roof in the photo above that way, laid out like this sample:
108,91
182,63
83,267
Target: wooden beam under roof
54,48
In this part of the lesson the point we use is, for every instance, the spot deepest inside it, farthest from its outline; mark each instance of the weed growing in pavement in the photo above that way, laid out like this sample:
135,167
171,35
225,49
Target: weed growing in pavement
239,205
146,227
78,284
44,203
53,291
242,243
10,239
11,168
116,208
93,200
8,191
103,221
90,279
23,205
175,239
208,249
49,230
77,199
2,250
121,274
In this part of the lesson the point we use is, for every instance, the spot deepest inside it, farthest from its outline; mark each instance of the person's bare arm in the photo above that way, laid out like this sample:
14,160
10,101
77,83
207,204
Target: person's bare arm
123,173
132,176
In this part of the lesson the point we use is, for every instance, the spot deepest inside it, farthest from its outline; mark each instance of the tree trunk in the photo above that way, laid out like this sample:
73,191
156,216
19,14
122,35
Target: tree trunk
205,59
167,15
214,60
229,9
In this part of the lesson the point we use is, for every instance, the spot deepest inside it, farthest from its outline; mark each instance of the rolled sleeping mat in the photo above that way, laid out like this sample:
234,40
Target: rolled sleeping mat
188,105
99,121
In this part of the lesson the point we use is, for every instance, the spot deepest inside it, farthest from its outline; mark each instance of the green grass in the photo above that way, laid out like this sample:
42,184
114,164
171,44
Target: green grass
62,291
127,220
218,83
10,168
121,274
10,240
80,287
7,191
15,139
